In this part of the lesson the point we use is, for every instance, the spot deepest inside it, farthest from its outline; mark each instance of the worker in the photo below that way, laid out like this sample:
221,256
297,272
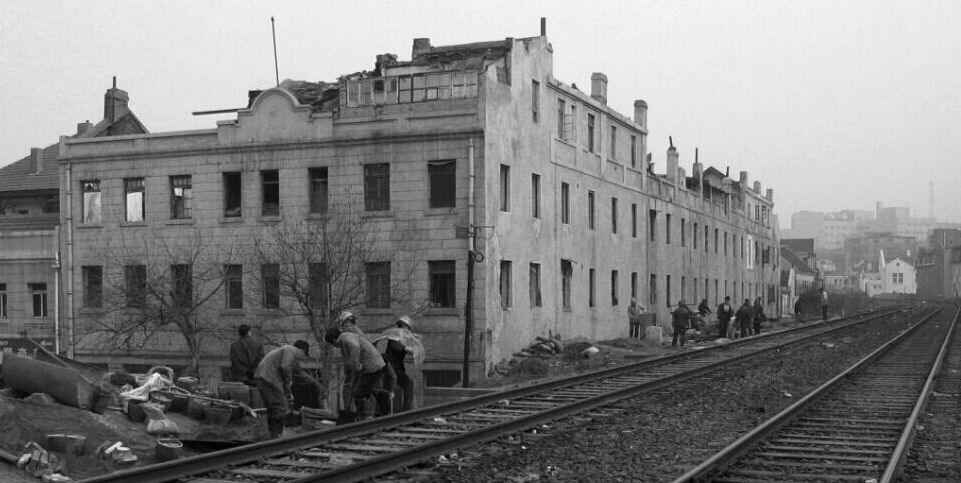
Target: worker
743,318
364,369
724,314
275,375
395,343
348,323
680,323
245,355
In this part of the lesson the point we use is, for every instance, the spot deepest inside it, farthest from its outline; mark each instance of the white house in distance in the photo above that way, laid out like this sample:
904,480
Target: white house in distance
898,276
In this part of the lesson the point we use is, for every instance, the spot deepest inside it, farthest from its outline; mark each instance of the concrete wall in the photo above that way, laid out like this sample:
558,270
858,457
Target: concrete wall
28,257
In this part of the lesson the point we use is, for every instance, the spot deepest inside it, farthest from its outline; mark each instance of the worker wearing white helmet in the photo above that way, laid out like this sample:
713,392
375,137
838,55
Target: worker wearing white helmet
395,343
348,323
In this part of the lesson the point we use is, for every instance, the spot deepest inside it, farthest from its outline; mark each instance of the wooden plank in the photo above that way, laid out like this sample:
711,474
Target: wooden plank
818,456
261,472
299,463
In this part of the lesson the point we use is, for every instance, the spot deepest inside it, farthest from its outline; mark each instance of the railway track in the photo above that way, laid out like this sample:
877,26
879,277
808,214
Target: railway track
856,427
363,450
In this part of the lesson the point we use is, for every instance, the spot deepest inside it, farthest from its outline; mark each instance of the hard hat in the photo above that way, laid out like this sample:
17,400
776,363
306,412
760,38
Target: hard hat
345,316
403,319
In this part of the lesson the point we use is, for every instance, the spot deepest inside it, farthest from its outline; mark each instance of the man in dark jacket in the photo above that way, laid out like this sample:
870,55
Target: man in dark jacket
680,322
758,315
743,317
724,314
245,355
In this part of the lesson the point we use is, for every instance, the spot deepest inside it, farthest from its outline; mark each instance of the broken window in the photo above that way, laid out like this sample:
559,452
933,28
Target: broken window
614,287
234,285
377,187
181,286
378,284
565,203
3,300
181,195
232,195
567,274
590,210
91,201
590,287
270,184
535,100
534,274
590,133
443,183
39,294
505,284
135,285
441,275
317,283
134,199
505,188
92,286
270,276
318,189
536,195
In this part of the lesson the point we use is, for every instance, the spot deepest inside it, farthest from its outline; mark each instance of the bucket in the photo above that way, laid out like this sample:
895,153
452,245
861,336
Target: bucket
168,449
217,415
188,383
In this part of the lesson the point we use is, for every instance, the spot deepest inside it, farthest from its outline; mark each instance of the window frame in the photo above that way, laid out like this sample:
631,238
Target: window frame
442,276
270,192
505,188
534,284
535,195
378,275
135,286
318,179
270,285
442,183
377,187
181,205
92,276
91,207
504,284
132,186
233,287
233,186
38,297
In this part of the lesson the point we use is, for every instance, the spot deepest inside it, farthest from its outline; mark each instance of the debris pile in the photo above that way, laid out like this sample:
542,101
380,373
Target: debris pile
117,453
40,463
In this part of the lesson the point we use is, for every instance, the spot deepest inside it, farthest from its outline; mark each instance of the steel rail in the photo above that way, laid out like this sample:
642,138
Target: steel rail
896,465
205,463
720,461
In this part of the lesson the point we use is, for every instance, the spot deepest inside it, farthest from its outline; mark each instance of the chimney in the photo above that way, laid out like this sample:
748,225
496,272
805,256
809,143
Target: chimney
672,158
640,113
36,160
115,103
82,127
757,187
421,47
770,195
543,26
681,176
743,180
599,87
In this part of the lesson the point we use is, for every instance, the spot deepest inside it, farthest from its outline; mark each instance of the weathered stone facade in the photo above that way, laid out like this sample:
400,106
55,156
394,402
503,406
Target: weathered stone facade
496,111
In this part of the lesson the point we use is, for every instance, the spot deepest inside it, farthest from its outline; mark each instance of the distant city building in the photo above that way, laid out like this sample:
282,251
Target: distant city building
861,253
933,264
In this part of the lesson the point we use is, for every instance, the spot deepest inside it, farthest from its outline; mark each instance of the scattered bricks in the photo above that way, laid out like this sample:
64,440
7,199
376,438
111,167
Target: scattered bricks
37,462
71,444
117,454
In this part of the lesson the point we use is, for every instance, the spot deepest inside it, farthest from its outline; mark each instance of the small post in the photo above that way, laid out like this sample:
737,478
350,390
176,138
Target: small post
273,31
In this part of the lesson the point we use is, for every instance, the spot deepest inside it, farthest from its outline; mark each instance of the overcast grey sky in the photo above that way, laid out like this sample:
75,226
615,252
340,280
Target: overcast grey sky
833,104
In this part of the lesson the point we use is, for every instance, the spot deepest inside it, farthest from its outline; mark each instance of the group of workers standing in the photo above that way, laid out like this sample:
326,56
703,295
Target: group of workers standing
747,319
373,370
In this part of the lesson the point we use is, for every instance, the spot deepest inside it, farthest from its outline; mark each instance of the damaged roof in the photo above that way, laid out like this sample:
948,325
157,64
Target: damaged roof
22,175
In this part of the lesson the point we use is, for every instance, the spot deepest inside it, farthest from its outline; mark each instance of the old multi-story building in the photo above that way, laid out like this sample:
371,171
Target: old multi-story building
470,165
30,281
933,263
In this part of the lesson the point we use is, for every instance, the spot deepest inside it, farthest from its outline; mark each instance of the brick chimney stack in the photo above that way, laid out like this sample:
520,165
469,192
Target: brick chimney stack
672,161
640,113
421,47
599,87
115,103
82,127
36,160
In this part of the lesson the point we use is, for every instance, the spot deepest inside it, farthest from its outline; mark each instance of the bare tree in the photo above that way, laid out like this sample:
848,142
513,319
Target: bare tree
158,281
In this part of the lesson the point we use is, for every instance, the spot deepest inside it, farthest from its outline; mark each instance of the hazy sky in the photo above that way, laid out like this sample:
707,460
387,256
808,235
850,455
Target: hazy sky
833,104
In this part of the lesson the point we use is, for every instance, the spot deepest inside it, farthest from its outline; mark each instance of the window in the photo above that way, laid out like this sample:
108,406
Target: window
3,300
182,288
535,284
614,215
319,189
536,195
695,235
590,132
565,203
634,285
270,276
317,282
378,284
613,287
135,285
181,196
376,187
667,228
505,187
742,247
716,298
634,220
683,232
725,243
561,115
270,190
567,274
590,210
505,284
92,286
683,287
590,287
652,290
667,289
707,288
652,224
705,239
897,278
232,195
633,151
535,100
91,201
441,274
715,241
443,183
613,153
234,285
39,293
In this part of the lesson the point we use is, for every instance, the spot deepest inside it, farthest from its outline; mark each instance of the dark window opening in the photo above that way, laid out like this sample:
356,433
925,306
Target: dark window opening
319,188
377,187
442,289
270,180
232,195
442,182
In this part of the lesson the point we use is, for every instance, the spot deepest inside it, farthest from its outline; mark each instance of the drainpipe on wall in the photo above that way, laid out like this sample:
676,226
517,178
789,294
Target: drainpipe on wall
68,295
56,292
469,299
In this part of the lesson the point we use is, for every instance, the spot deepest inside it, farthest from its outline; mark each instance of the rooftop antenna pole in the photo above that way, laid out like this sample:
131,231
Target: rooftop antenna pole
274,32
